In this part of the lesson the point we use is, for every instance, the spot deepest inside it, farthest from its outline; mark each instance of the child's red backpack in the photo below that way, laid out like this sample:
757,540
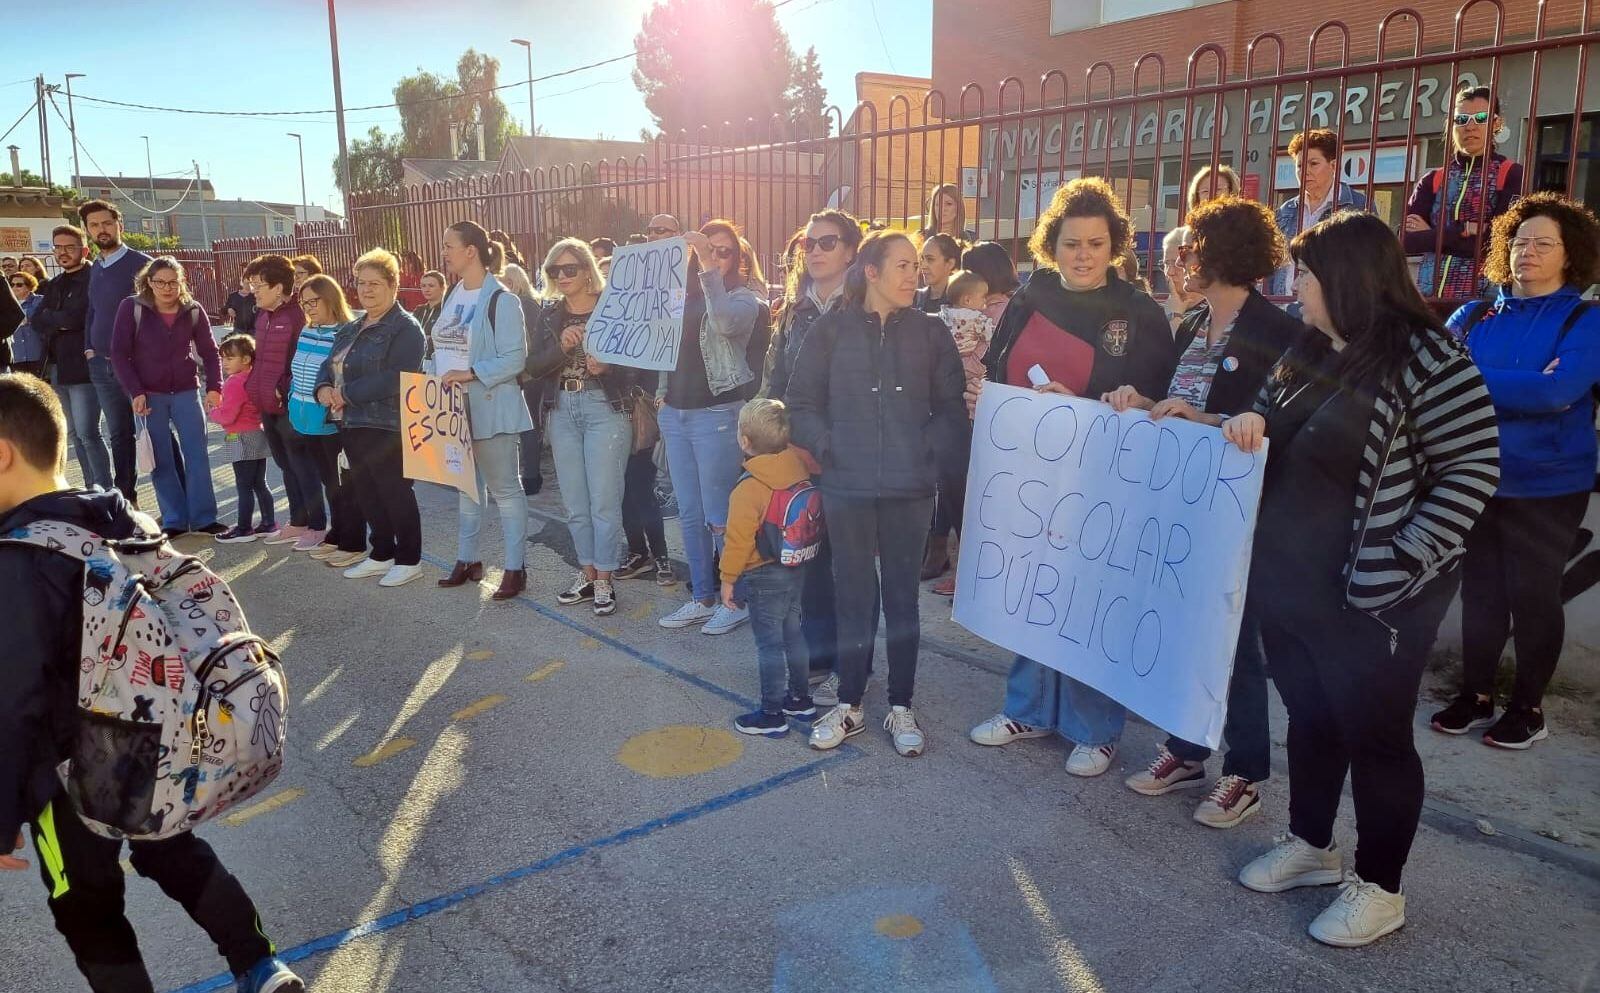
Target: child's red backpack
791,530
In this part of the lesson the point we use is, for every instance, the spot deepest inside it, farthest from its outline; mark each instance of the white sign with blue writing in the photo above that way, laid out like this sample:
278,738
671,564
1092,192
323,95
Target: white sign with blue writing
1112,548
639,319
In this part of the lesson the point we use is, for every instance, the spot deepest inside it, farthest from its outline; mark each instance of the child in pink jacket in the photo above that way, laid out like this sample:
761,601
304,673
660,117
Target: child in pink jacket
245,444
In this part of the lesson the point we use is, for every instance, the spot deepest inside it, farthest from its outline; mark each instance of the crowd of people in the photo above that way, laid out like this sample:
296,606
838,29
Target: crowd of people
1409,456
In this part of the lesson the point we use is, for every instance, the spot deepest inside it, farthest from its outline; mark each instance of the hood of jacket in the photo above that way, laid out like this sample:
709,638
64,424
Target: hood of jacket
107,514
778,470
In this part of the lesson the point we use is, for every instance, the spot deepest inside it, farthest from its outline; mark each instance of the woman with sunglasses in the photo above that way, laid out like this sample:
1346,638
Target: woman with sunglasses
1538,347
1463,197
591,435
725,332
314,449
27,346
479,343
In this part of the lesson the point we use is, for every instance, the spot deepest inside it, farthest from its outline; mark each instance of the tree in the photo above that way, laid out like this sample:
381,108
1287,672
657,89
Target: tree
704,62
374,163
429,104
31,178
141,242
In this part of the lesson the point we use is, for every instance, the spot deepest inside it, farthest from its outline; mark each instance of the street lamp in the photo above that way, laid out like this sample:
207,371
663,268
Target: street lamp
528,45
338,107
72,125
150,172
305,214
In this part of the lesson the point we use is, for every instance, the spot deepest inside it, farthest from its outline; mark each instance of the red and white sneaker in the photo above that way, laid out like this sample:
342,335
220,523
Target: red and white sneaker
1089,761
1232,800
1002,730
1167,773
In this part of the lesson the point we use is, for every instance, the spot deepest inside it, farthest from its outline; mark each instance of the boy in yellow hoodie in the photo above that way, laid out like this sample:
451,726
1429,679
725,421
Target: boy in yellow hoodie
771,589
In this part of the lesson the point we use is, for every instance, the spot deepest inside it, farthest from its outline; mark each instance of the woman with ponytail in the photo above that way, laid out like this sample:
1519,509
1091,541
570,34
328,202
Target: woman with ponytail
479,342
876,398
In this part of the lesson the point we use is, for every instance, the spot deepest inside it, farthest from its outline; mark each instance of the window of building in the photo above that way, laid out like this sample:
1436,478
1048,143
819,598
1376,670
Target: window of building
1075,15
1556,151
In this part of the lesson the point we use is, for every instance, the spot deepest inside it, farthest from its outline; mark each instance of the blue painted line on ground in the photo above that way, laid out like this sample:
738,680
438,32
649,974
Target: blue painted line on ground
637,654
427,908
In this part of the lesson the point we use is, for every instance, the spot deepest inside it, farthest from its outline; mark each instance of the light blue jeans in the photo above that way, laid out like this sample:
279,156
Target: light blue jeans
499,476
192,501
704,461
82,405
1039,695
591,441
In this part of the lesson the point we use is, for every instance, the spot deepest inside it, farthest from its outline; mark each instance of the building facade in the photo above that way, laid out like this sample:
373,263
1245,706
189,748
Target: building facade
193,212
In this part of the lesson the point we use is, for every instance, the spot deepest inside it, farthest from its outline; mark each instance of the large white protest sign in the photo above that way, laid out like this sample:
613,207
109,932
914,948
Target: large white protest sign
639,319
1110,547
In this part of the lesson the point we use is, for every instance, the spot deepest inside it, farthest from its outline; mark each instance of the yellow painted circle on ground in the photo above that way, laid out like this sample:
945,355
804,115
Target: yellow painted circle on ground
898,926
679,750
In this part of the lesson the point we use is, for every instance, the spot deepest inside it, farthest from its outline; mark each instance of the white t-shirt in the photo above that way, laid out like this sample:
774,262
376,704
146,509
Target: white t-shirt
452,333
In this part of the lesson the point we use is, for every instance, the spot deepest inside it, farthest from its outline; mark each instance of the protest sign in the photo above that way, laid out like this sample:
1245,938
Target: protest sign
437,442
1110,547
639,319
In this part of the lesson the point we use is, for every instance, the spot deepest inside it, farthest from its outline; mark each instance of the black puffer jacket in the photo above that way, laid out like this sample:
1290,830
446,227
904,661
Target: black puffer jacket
798,319
880,407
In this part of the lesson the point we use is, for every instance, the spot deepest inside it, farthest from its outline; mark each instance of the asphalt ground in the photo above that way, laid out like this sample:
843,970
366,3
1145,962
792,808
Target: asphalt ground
517,796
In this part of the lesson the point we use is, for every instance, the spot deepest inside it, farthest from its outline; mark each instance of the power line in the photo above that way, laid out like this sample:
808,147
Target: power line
106,175
31,108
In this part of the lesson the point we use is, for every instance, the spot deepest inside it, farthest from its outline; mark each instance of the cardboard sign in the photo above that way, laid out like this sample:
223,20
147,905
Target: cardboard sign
436,436
639,319
1112,548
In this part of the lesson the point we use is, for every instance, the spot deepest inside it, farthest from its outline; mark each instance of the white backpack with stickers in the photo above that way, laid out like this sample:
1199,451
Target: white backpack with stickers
180,708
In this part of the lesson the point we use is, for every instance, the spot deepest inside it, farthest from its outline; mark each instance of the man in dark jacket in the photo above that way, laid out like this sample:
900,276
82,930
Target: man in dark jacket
42,593
63,321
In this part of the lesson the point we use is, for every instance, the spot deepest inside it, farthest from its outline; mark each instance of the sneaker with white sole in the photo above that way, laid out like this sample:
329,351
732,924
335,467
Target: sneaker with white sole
310,540
344,560
769,723
605,598
581,591
832,728
1167,773
1291,863
826,693
399,575
234,536
1362,913
903,731
1089,761
367,568
724,620
1002,730
1231,801
692,613
324,552
285,535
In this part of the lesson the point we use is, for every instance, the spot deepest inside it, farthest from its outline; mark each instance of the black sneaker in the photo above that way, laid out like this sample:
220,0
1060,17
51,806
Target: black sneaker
637,565
214,528
1464,713
1517,729
664,574
800,707
762,722
173,534
581,591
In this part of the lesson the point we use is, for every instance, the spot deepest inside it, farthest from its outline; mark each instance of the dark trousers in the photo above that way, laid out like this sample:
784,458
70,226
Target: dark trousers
1245,728
897,529
280,437
534,393
952,499
1511,587
641,514
85,879
250,479
818,621
349,519
385,494
315,458
1352,705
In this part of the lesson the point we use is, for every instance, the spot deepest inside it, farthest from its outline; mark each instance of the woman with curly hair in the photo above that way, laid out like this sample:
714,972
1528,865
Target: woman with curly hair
1091,333
1538,346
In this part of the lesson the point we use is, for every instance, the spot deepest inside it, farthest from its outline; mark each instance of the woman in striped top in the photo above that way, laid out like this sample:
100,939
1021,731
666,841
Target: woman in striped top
1384,451
314,449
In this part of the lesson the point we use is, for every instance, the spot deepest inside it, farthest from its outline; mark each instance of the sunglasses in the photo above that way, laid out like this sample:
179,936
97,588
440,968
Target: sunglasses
661,231
1481,117
564,270
20,285
724,252
827,243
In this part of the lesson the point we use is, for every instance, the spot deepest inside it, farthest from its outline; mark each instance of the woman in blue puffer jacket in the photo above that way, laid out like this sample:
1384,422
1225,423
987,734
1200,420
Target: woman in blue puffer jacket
1538,347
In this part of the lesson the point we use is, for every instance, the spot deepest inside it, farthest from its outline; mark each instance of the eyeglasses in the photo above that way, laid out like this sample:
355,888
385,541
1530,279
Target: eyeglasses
1534,246
20,285
166,284
659,231
563,270
827,243
724,252
306,303
1462,120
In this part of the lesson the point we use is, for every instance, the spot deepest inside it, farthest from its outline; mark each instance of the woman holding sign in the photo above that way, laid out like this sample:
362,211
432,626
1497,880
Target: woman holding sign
1077,329
479,343
1384,452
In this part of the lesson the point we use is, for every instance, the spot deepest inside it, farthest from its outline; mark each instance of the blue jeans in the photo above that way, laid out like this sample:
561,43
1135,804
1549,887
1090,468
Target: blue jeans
1044,698
188,502
591,440
772,592
81,403
498,476
118,410
704,461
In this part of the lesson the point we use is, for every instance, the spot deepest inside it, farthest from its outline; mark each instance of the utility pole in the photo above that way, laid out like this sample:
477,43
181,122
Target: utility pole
205,231
528,45
338,107
42,93
72,126
305,212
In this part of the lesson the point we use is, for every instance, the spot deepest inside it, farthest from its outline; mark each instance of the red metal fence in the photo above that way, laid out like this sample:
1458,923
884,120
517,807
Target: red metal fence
1006,147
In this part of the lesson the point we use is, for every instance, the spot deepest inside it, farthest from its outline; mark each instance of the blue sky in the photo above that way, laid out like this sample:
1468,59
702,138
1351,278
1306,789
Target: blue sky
247,56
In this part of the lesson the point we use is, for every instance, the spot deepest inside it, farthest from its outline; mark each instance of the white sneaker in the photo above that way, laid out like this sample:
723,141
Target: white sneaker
691,613
1166,773
832,728
1089,761
368,567
1291,863
400,575
826,693
902,727
1002,730
1361,914
724,620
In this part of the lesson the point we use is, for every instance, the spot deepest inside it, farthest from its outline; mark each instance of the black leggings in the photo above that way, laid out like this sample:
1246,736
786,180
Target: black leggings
1511,587
250,478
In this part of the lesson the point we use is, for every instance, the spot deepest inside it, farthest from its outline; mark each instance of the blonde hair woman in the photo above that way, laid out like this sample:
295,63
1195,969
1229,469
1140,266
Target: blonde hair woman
151,340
